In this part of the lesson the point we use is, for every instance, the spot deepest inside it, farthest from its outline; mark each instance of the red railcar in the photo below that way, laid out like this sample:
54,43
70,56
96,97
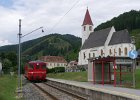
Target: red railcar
35,71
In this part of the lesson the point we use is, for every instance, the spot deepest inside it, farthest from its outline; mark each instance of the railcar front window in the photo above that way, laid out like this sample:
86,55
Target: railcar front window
43,66
31,66
37,66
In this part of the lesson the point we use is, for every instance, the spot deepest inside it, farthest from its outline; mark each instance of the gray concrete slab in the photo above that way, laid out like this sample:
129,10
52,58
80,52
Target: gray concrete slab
126,92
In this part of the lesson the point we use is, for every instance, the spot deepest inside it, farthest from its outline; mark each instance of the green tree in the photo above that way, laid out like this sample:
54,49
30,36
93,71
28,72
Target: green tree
12,57
7,65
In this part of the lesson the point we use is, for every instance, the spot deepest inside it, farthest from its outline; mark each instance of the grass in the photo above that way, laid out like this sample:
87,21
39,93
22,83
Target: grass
138,78
7,87
82,76
129,78
75,76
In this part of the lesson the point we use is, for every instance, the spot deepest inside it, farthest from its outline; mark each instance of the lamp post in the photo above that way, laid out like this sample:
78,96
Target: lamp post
19,51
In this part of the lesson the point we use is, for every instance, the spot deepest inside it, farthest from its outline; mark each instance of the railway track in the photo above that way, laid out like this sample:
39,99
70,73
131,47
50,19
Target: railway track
59,91
71,93
45,92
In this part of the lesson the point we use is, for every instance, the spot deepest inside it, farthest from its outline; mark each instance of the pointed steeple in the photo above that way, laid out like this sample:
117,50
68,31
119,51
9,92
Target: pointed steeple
87,19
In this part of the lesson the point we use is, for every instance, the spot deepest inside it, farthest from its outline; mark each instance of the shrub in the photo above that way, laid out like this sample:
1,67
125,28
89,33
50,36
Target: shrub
56,70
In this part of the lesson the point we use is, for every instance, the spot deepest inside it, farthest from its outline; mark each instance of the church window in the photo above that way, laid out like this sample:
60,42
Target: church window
102,52
119,51
84,56
90,28
89,55
84,28
110,52
114,52
93,55
125,51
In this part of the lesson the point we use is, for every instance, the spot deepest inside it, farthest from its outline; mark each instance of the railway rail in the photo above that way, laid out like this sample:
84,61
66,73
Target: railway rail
66,92
45,92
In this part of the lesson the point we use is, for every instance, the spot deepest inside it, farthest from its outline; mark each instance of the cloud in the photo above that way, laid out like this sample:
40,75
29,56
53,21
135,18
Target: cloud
4,42
46,13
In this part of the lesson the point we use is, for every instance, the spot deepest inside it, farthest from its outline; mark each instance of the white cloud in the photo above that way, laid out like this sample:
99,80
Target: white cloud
46,13
4,42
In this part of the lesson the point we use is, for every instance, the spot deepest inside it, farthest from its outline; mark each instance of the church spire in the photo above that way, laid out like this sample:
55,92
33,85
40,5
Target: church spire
87,27
87,19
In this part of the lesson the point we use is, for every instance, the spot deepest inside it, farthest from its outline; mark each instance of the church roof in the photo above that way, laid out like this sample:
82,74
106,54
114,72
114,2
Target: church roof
87,19
96,39
120,37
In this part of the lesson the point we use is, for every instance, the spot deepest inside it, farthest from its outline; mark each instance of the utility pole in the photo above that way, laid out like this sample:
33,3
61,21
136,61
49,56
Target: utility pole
19,55
19,51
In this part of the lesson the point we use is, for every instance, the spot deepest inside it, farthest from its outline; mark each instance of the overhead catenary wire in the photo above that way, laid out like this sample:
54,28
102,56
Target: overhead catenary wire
63,16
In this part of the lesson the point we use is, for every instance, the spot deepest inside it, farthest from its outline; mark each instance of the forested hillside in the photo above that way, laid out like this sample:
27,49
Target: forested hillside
53,44
128,20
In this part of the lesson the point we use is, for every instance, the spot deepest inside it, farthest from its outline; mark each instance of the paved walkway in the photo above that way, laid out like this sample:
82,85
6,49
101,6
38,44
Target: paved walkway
127,92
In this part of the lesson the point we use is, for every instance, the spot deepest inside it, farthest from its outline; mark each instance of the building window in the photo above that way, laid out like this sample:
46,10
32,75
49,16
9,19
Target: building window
114,52
90,28
125,51
119,51
84,55
84,28
110,53
89,55
93,55
102,52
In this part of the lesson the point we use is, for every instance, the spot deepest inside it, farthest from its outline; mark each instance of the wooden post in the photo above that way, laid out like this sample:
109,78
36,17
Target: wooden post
93,73
109,74
120,74
102,73
114,73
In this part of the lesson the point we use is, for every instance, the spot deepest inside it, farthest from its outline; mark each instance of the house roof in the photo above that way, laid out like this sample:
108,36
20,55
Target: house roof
87,19
120,37
96,39
54,59
73,62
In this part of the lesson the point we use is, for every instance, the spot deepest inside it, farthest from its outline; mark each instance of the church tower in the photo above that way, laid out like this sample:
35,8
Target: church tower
87,27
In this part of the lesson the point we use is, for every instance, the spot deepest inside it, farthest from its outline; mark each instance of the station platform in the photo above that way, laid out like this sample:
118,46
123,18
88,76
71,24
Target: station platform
110,89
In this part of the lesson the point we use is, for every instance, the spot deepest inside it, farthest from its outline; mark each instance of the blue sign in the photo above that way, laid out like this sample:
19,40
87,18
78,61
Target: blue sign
133,54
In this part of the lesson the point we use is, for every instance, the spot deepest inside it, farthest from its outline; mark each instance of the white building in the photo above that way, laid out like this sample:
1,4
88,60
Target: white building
54,61
105,42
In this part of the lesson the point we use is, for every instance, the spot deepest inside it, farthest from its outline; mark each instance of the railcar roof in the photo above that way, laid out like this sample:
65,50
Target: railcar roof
37,61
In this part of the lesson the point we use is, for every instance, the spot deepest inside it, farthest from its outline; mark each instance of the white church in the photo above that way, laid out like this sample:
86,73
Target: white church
105,42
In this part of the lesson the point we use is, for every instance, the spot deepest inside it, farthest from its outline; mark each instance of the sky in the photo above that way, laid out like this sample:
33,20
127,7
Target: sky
51,15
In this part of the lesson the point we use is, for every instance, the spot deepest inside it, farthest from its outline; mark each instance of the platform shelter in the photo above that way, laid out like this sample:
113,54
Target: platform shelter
110,70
